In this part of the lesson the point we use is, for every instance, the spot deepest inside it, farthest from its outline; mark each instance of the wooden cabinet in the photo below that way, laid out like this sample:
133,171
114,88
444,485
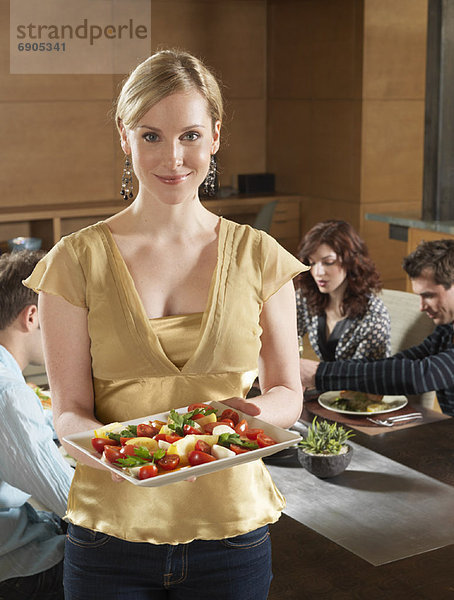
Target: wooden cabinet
51,222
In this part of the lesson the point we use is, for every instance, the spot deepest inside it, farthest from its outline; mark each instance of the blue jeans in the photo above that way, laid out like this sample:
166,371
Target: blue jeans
47,585
101,566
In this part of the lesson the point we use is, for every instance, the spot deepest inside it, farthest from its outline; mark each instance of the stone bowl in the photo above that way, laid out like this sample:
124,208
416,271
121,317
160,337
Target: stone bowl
325,465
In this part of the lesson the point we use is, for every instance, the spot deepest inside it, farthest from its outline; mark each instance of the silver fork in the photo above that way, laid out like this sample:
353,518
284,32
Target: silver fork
390,421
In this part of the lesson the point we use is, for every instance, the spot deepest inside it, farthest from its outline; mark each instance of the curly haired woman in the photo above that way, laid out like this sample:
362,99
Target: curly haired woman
336,300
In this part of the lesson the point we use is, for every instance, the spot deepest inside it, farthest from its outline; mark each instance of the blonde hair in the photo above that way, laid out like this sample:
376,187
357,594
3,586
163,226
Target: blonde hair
159,76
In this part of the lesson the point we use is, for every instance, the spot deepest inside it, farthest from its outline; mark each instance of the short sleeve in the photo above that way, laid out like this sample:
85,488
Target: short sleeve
278,266
60,273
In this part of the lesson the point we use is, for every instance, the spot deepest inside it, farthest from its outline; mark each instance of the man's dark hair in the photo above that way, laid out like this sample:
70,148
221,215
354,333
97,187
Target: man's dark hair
436,256
14,296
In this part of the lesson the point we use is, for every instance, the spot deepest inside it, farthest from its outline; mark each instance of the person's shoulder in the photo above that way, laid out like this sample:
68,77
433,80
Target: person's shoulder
246,239
376,305
84,242
243,230
13,390
91,232
445,332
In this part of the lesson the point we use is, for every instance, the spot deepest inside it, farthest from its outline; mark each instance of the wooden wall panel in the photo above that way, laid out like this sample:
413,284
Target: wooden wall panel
392,151
289,135
229,35
314,106
313,49
243,139
314,210
395,49
335,150
57,152
314,147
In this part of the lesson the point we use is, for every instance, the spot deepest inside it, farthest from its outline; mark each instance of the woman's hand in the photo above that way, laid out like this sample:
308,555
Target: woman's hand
247,406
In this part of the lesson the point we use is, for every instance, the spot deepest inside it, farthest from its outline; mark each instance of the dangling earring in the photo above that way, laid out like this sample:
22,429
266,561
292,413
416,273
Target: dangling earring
126,181
209,185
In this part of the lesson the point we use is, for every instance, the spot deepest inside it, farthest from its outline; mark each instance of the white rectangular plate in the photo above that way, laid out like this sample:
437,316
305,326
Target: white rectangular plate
283,438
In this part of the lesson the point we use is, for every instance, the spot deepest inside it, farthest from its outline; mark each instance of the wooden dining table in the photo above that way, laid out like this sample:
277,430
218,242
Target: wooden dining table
309,565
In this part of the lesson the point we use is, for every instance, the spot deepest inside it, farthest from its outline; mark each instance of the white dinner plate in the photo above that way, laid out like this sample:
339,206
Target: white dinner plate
283,438
395,403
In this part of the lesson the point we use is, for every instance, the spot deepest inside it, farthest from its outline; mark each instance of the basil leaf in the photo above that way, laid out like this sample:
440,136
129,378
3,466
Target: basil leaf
225,439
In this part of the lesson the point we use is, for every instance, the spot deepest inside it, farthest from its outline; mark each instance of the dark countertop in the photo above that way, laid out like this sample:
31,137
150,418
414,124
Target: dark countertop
412,220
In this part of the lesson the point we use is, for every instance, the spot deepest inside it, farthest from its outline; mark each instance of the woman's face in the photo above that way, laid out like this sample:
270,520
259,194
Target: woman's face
327,269
171,147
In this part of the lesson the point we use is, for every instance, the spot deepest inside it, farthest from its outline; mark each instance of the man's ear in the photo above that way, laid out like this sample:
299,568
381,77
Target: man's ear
27,319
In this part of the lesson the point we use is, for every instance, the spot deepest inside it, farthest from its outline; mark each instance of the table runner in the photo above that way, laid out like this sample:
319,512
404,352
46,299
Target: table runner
378,509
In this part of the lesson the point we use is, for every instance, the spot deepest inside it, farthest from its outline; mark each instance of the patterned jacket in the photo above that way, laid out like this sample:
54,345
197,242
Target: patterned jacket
367,337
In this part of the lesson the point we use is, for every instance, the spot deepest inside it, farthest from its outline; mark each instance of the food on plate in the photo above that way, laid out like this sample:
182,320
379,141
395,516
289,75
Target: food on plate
187,439
360,402
43,395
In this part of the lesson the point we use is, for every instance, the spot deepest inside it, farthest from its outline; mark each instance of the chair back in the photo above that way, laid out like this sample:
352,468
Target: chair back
264,217
409,327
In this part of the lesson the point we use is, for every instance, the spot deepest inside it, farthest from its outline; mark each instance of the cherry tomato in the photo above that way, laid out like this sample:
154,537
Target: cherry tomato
199,416
157,424
238,449
208,428
199,458
171,438
229,413
112,453
127,450
189,430
242,427
202,446
253,433
123,440
169,462
264,440
99,443
144,430
148,471
192,407
228,422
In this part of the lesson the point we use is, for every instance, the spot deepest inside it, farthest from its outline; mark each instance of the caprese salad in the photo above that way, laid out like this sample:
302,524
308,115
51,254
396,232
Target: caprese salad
195,437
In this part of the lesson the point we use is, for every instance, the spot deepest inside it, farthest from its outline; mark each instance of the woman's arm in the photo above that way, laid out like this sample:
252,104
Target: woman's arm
68,364
281,400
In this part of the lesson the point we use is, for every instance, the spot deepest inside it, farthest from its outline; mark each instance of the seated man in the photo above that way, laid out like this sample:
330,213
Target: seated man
423,368
31,542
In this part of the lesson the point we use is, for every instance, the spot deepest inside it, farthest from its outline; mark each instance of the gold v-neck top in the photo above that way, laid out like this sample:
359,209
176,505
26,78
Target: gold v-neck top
134,377
178,335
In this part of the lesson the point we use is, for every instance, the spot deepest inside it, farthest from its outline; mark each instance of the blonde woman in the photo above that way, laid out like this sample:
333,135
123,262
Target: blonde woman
159,306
